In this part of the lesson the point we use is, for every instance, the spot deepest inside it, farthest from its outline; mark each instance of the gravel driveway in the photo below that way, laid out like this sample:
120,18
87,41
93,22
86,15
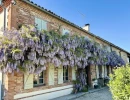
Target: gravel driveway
103,94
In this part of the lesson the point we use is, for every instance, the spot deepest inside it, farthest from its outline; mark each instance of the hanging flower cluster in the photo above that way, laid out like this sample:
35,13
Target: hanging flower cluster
114,60
30,50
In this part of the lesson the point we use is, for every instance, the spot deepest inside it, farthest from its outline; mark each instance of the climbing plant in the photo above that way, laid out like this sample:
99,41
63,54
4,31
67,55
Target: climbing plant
29,50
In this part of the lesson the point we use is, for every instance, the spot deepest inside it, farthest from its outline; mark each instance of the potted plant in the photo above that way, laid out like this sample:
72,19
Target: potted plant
76,86
95,83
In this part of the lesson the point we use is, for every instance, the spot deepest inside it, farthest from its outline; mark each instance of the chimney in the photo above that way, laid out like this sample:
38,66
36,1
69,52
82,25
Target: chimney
87,27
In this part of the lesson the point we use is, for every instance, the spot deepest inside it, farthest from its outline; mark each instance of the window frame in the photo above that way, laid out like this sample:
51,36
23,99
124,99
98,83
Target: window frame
100,71
65,31
65,78
38,83
40,28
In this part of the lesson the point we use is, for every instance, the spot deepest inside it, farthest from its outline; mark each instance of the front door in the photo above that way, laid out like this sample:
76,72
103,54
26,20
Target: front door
88,72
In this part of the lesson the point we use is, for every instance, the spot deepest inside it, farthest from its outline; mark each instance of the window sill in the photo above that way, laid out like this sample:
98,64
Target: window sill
39,85
67,81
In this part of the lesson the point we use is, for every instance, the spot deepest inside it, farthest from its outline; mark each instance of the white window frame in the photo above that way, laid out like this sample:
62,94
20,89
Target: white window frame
41,22
65,32
38,83
64,74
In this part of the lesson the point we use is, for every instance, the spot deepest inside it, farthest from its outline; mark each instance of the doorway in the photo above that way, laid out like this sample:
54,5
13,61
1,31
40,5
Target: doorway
88,72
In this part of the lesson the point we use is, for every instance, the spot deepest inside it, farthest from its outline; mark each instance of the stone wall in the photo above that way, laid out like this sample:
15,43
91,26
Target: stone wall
125,57
93,72
14,84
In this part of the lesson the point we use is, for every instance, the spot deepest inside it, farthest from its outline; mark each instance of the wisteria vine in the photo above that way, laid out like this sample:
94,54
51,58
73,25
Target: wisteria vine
29,50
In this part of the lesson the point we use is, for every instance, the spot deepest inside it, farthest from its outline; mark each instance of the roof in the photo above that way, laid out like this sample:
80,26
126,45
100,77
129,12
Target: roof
70,23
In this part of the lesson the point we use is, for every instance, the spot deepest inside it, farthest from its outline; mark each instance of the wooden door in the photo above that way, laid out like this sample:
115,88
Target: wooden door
88,72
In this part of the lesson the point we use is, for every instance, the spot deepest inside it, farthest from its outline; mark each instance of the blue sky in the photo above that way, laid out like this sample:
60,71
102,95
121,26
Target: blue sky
109,19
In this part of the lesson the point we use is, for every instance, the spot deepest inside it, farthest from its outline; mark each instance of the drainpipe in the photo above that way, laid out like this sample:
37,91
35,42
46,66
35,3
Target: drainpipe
4,8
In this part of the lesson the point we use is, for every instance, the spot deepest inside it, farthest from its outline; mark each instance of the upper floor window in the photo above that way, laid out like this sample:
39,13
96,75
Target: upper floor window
41,24
65,32
65,74
38,79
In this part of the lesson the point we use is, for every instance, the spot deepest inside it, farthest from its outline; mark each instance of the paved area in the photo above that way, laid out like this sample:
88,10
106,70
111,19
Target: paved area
103,94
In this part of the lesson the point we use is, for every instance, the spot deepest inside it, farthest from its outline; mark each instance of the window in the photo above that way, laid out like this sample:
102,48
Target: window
107,70
65,74
65,32
38,79
100,71
86,37
41,24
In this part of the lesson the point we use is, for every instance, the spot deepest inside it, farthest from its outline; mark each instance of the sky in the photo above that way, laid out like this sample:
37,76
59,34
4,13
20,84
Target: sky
108,19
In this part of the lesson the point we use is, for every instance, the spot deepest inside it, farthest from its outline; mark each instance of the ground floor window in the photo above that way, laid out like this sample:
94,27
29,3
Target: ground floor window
100,71
65,74
107,70
38,79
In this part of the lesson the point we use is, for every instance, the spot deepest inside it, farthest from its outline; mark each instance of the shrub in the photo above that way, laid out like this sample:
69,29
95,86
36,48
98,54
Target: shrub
120,83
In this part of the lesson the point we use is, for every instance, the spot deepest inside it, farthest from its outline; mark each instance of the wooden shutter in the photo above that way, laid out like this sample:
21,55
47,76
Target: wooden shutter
103,71
108,48
60,75
41,24
101,45
38,22
51,74
44,25
28,81
97,71
73,73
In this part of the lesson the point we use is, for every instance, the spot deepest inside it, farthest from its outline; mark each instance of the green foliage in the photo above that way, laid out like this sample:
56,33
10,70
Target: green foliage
79,52
93,79
22,69
15,50
85,89
75,82
120,83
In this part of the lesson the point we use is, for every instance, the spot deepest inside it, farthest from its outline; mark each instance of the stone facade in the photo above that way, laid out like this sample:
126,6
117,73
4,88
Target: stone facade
14,84
23,13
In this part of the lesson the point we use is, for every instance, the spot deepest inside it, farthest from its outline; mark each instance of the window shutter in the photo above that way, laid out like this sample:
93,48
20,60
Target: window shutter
60,75
51,74
73,73
44,25
110,70
97,71
38,23
101,45
41,24
103,71
28,81
108,48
